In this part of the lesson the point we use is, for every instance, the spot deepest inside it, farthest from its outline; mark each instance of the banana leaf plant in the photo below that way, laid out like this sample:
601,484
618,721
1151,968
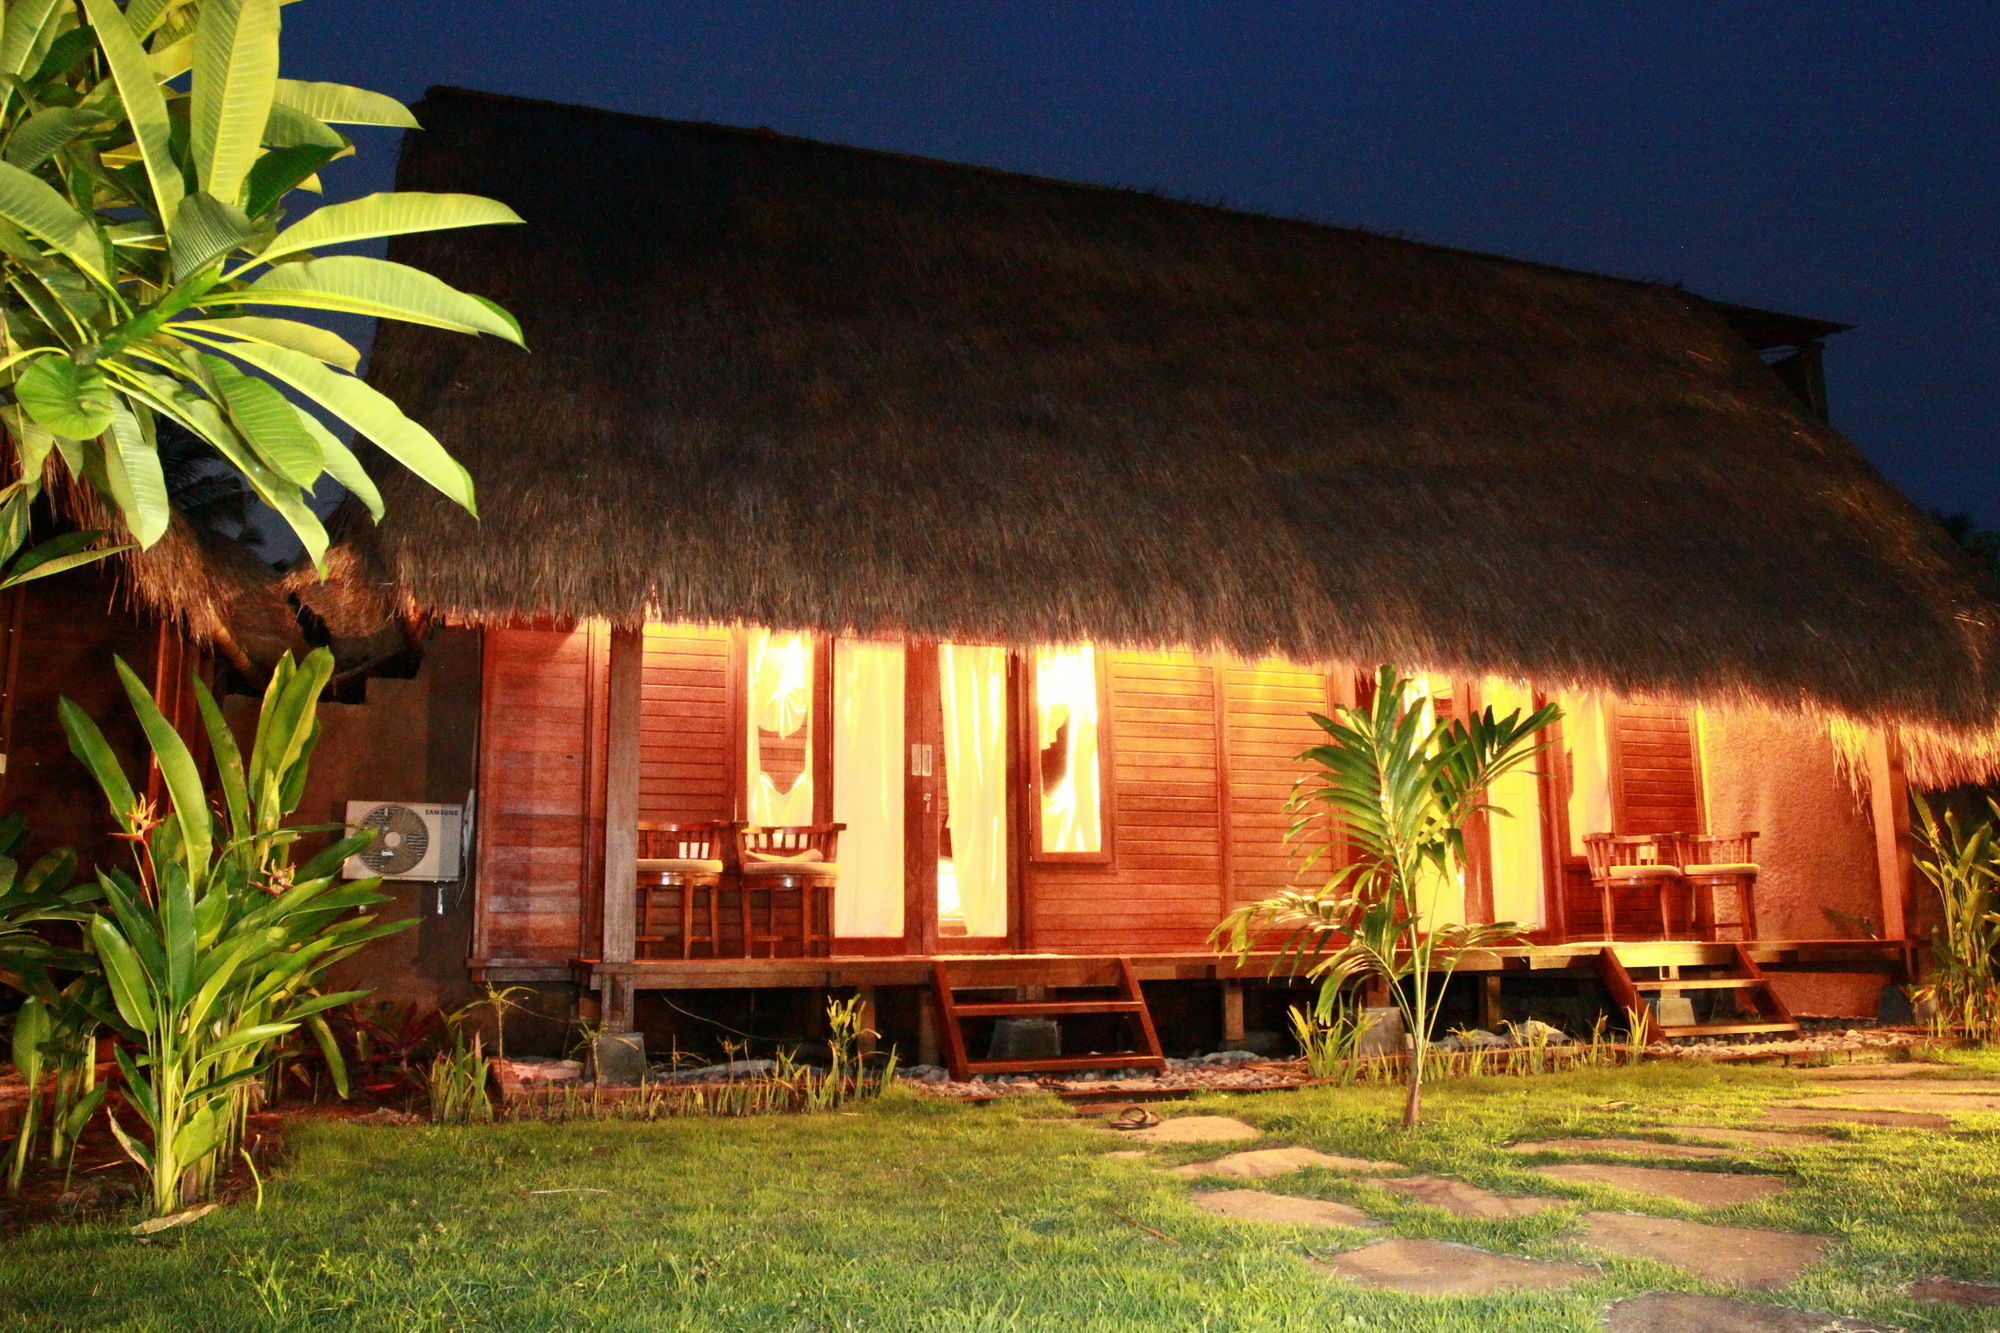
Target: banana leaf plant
1961,859
212,943
1401,785
150,155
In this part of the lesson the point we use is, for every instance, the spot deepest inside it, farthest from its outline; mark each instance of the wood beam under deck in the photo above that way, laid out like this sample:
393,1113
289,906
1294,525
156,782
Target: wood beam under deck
1064,970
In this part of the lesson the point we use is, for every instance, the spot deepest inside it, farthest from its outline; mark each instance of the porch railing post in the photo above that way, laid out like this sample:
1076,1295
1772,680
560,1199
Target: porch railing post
621,795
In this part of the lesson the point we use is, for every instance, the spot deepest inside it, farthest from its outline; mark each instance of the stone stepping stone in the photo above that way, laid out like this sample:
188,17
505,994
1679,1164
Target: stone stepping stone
1456,1196
1709,1189
1919,1069
1951,1291
1127,1155
1664,1312
1760,1138
1630,1147
1950,1103
1735,1256
1258,1206
1263,1163
1830,1115
1194,1129
1439,1268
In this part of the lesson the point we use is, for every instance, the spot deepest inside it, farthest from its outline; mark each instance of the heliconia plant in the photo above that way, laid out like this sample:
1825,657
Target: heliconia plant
149,158
212,943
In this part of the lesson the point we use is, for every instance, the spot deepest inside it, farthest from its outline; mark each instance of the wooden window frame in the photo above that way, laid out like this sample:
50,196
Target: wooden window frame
1027,733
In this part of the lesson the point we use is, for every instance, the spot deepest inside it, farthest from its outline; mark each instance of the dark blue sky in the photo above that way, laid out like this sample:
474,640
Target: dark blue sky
1835,159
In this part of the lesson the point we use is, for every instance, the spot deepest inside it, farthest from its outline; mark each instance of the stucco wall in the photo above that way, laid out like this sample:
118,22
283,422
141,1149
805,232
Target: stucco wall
1777,775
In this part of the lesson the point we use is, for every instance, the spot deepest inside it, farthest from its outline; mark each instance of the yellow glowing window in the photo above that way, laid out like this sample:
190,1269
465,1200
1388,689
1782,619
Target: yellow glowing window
1069,770
779,744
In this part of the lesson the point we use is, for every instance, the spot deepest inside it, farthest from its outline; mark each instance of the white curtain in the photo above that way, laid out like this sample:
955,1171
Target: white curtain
1066,699
780,677
974,688
1587,737
1440,898
868,787
1516,837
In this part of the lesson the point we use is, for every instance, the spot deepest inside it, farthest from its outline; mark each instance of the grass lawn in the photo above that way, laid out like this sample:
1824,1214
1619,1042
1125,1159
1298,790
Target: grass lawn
917,1215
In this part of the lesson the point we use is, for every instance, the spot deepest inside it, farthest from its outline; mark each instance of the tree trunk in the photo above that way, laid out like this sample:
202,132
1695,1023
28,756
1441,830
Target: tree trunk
1413,1105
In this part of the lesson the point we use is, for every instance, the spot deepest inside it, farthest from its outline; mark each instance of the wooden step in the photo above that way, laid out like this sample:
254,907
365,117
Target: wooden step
1696,983
1721,1029
1047,1008
1130,1002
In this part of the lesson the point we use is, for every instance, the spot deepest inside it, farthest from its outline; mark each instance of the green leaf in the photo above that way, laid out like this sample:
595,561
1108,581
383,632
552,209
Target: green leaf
32,441
338,104
129,988
21,37
235,81
178,769
398,214
369,412
268,422
144,101
55,555
73,401
363,286
286,128
204,231
137,482
344,467
32,205
44,134
314,341
282,170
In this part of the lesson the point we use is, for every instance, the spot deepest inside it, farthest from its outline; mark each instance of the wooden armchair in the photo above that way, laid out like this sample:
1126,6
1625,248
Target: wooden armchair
680,872
1717,863
788,874
1637,865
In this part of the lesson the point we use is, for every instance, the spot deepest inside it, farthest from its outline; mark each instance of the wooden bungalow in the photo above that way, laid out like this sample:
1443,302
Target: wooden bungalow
1019,525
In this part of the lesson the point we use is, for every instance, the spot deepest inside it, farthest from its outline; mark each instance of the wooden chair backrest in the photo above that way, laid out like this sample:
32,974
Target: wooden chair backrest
682,842
1606,850
789,840
1710,849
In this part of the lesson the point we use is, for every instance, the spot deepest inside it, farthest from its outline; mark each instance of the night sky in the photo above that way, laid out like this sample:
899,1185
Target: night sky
1832,159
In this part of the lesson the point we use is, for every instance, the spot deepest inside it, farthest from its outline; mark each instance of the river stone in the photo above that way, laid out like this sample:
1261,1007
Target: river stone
1709,1189
1456,1196
1258,1206
1439,1268
1736,1256
1664,1312
1629,1147
1195,1129
1954,1292
1262,1163
1760,1138
1830,1115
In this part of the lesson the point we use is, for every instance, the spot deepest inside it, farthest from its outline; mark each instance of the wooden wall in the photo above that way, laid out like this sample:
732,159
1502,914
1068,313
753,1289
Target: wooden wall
1657,781
688,741
541,791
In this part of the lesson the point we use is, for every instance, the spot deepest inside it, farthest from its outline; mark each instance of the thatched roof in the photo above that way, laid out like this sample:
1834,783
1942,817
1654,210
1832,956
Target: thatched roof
810,386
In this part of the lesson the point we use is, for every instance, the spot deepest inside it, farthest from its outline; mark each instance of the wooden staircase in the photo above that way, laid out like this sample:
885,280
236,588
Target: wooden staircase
1726,967
1129,1001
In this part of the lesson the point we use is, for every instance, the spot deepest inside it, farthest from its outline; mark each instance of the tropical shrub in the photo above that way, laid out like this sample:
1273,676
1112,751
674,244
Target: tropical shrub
1401,785
211,944
1963,864
149,153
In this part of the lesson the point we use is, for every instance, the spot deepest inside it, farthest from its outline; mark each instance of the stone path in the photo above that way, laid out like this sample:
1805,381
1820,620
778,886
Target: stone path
1262,1163
1709,1189
1919,1069
1258,1206
1951,1291
1194,1129
1811,1115
1665,1312
1761,1138
1909,1099
1455,1196
1438,1268
1628,1147
1737,1256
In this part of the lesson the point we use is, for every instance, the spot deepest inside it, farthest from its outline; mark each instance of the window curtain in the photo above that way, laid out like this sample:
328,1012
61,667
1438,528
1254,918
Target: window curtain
780,678
868,787
973,684
1066,699
1587,737
1515,838
1440,898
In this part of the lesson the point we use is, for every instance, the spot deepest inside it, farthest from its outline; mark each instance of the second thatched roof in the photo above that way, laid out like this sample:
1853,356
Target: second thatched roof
809,386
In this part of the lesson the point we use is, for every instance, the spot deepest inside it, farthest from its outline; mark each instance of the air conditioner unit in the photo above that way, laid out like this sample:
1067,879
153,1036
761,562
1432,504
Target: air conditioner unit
411,841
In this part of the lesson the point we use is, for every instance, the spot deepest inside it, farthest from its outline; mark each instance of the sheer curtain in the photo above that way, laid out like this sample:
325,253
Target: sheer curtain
974,688
1515,838
779,741
1587,736
868,786
1066,700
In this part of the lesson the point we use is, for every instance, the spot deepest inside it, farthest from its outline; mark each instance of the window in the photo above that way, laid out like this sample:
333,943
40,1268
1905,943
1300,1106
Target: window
1066,766
779,740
